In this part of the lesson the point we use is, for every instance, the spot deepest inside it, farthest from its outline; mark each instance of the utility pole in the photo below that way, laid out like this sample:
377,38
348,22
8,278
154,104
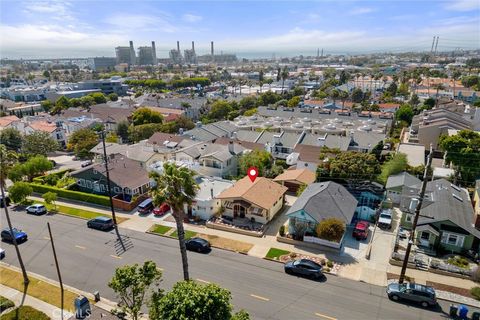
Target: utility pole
417,215
105,159
58,268
19,256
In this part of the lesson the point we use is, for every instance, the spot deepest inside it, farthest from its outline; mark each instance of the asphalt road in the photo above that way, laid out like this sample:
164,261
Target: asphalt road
88,259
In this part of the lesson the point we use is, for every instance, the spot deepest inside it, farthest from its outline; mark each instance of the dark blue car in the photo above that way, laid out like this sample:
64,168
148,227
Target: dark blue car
19,235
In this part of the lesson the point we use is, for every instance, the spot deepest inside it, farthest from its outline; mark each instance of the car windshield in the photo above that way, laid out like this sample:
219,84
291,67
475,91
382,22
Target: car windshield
296,262
386,216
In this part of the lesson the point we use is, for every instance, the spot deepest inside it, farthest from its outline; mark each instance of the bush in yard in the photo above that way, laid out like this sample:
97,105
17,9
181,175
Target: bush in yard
330,264
281,231
50,198
475,291
19,191
322,262
331,229
70,194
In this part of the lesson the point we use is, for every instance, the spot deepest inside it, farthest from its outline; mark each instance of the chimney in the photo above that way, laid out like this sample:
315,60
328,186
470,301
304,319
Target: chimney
231,147
132,54
211,192
211,49
180,131
276,139
234,135
193,46
154,53
178,46
321,140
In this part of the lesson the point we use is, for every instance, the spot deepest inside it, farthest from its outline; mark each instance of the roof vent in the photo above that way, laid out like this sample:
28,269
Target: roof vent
455,187
457,197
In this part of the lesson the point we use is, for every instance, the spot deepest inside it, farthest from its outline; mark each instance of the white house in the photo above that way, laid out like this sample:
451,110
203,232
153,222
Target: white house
205,204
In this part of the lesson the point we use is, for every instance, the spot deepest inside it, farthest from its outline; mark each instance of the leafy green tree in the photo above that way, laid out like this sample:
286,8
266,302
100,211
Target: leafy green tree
63,103
190,300
122,130
463,150
82,141
98,97
134,284
19,192
87,101
348,165
250,112
113,96
8,159
39,142
268,98
429,103
248,102
111,137
377,150
144,131
398,163
11,138
35,166
146,115
293,102
176,186
219,110
46,105
260,159
404,113
331,229
50,198
186,105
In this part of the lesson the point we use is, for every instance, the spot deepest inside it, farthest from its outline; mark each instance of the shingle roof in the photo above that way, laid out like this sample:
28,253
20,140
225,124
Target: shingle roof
43,126
262,192
332,141
5,121
246,144
308,153
300,175
402,179
160,137
326,200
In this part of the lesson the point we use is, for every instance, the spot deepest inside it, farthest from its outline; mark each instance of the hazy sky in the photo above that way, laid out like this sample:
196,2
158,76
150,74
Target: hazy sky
83,28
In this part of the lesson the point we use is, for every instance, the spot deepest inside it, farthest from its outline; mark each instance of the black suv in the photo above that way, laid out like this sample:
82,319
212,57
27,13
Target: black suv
100,223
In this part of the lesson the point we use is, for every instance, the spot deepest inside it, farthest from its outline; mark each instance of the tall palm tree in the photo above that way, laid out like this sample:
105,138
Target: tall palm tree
176,187
284,76
343,95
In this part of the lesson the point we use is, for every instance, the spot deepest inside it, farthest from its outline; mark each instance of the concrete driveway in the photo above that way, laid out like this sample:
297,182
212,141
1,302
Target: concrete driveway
65,162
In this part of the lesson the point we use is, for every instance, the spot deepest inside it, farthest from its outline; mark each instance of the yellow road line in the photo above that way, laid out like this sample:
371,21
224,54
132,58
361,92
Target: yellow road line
259,297
80,247
324,316
116,257
204,281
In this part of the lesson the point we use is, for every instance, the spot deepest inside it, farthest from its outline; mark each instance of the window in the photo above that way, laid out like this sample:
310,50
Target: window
452,239
81,182
102,188
89,184
425,235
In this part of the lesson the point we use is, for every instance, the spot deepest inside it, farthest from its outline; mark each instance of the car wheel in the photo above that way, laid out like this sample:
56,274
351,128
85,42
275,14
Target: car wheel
395,297
425,304
199,250
288,271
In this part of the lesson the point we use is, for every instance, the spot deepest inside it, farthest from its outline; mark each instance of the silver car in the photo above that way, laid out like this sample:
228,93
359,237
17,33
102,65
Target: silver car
37,209
414,292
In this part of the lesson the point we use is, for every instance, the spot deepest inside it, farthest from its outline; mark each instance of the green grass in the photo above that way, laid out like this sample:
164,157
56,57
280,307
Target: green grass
5,304
24,313
76,212
160,229
188,234
275,253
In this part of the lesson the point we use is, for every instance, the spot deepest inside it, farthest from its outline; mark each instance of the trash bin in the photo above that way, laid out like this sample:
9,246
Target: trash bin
82,307
453,310
96,295
476,315
462,312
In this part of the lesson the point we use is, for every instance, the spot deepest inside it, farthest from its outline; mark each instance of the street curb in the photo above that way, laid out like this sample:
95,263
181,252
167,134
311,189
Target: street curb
268,259
89,295
458,303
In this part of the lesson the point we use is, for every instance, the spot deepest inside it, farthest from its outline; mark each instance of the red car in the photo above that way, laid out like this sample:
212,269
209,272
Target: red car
160,211
361,230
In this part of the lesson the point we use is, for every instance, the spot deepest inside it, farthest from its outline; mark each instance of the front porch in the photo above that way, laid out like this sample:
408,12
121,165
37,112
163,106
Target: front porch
240,210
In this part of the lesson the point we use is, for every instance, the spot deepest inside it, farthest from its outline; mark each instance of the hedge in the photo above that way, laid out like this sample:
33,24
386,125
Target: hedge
58,174
70,194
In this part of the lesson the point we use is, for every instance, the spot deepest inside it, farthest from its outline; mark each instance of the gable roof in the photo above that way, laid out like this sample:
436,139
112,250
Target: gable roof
326,200
43,126
301,175
5,121
263,192
402,179
160,137
308,153
246,144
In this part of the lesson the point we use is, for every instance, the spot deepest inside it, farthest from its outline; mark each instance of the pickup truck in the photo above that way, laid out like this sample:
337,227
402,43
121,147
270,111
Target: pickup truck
385,219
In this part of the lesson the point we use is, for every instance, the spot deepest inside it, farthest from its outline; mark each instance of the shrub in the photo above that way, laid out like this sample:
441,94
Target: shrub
330,264
322,262
475,291
74,195
281,231
331,229
20,191
326,269
458,261
5,304
293,255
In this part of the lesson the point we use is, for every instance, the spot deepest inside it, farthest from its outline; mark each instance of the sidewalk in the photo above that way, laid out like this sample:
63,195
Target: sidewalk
17,297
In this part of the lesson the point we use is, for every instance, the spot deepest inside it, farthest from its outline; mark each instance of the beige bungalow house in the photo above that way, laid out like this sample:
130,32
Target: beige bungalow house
293,179
258,201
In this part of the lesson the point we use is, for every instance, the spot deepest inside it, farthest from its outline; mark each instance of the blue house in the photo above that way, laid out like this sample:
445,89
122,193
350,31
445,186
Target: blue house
320,201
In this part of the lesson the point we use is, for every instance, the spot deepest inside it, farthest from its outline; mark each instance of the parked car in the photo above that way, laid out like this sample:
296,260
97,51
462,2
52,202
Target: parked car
2,253
361,230
304,267
160,211
86,163
146,206
385,219
37,209
7,200
19,235
413,292
100,223
198,245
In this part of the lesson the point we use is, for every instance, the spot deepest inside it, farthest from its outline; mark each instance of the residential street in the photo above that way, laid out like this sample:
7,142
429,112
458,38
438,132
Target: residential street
88,259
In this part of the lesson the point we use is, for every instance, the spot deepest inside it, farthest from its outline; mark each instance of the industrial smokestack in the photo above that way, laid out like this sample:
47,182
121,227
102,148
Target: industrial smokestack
193,46
178,46
211,48
154,53
132,54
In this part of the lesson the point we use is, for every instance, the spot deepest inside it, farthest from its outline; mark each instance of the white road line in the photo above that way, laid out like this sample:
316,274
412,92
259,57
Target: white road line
259,297
324,316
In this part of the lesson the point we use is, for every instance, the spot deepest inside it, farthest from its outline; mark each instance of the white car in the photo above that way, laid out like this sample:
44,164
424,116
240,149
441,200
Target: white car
36,209
385,219
2,253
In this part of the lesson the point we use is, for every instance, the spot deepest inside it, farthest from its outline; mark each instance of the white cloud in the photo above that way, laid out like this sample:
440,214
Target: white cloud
463,5
360,11
191,18
140,22
55,9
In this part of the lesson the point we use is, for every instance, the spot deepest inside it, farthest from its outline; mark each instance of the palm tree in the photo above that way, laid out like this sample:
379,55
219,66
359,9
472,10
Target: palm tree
176,187
455,76
438,87
334,95
284,76
343,95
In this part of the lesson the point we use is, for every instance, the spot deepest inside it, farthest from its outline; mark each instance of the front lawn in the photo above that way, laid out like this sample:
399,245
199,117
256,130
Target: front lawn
37,288
24,313
160,229
275,253
5,304
188,234
228,244
81,213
